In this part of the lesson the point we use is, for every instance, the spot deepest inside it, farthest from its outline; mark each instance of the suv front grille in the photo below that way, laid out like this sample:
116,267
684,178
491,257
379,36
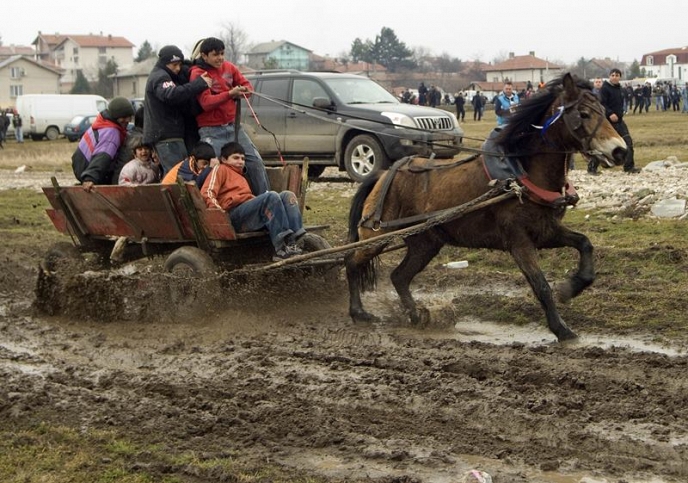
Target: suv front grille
435,123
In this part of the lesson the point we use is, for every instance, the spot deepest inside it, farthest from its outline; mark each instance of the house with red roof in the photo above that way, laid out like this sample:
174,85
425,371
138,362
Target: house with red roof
523,68
667,64
85,53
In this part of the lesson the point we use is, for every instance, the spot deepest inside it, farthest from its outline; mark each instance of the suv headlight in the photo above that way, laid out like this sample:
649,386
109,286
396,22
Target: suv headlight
399,120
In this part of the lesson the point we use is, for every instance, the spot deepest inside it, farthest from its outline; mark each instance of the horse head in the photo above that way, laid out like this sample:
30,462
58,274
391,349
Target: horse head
587,126
566,117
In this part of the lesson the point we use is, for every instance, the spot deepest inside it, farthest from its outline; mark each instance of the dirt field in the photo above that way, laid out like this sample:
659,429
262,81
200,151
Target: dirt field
274,371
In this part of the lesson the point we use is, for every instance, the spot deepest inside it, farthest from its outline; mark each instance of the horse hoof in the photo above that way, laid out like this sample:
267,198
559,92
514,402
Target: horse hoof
567,336
564,293
364,318
421,317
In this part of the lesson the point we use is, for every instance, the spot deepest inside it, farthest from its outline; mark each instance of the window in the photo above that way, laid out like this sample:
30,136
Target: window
76,60
650,60
276,88
75,51
305,91
16,72
102,50
16,91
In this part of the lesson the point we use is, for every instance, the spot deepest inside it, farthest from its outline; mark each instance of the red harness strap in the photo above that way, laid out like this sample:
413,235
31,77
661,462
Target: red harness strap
546,197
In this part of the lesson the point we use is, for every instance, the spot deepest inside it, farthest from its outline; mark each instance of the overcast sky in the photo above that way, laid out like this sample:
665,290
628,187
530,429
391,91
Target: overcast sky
555,30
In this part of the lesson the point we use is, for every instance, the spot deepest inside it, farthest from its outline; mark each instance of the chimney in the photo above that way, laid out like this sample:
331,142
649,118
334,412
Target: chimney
511,55
531,53
109,36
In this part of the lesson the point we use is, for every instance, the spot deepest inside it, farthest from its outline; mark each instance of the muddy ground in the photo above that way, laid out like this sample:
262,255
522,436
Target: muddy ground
271,369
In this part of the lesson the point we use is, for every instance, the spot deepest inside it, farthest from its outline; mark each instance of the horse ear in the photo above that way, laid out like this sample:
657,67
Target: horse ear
570,87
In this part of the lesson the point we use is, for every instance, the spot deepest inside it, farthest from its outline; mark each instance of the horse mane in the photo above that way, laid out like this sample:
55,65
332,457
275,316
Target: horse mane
517,135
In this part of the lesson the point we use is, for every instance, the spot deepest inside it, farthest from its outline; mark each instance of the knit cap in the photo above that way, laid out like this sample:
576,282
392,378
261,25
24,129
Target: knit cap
120,107
169,54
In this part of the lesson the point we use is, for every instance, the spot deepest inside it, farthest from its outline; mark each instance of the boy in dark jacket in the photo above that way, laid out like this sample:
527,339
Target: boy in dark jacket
611,99
168,106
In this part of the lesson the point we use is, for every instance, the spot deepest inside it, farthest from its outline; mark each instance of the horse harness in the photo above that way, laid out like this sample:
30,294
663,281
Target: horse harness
497,166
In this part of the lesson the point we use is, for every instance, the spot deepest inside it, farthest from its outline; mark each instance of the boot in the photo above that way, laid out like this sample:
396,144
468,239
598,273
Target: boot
593,163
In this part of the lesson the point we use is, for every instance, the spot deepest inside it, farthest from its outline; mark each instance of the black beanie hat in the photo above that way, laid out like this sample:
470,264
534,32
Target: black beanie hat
169,54
120,107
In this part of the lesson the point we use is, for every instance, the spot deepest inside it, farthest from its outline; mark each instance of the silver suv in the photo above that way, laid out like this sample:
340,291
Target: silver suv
342,120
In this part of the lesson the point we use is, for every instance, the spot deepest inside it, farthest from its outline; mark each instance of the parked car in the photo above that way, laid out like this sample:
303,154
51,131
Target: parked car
76,128
343,120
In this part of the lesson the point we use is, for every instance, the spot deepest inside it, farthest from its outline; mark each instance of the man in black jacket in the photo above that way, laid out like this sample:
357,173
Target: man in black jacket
168,102
611,98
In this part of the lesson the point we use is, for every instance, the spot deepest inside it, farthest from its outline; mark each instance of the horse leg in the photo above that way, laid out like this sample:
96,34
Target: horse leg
585,275
420,250
525,256
360,275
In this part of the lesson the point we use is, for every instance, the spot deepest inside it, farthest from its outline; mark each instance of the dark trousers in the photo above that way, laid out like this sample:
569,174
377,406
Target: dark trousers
622,130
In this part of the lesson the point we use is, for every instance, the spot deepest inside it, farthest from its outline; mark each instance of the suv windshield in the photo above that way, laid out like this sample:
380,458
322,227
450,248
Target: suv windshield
360,91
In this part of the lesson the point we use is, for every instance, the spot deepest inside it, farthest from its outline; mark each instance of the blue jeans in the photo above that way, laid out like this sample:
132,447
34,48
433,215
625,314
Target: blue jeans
19,134
170,152
218,136
279,213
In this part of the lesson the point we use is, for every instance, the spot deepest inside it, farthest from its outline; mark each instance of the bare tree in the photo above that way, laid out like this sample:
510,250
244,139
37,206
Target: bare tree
236,41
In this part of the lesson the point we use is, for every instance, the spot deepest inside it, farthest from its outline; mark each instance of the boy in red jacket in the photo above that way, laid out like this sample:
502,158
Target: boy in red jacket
226,188
216,122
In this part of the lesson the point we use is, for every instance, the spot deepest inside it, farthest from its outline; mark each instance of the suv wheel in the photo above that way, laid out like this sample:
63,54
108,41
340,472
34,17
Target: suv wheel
363,157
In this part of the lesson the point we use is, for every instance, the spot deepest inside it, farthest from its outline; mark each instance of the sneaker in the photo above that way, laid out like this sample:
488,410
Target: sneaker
286,252
632,170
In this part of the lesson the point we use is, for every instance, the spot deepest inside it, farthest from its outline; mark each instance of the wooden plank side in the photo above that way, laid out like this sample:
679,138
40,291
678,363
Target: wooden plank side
137,211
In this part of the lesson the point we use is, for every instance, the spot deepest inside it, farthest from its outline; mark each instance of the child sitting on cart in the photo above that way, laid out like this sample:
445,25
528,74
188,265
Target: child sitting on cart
142,169
196,167
227,188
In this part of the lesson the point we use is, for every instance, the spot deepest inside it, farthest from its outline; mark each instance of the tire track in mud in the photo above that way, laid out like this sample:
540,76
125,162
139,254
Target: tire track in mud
403,404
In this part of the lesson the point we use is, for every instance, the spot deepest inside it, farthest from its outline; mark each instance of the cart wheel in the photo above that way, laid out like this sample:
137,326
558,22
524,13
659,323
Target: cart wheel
191,259
61,254
310,242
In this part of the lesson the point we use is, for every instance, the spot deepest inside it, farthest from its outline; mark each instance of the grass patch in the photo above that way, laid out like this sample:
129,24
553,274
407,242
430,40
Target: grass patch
55,454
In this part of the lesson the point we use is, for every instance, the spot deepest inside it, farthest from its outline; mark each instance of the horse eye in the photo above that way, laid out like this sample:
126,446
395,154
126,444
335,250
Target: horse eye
585,115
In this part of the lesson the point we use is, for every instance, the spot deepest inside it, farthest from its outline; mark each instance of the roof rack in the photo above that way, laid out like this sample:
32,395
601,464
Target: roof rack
274,71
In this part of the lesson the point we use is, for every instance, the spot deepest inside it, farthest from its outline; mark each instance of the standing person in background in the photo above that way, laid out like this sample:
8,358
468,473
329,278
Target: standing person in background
684,97
4,123
216,122
169,97
596,86
612,101
477,103
18,131
505,103
638,97
647,96
422,94
460,103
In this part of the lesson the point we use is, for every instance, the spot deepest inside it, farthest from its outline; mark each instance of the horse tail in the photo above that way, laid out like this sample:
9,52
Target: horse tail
366,273
356,210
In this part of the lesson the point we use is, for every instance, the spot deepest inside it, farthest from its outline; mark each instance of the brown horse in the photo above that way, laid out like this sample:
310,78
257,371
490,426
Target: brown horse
538,141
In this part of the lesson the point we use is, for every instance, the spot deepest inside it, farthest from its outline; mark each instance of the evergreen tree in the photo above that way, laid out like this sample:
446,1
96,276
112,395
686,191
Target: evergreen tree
104,86
387,50
145,52
634,70
81,85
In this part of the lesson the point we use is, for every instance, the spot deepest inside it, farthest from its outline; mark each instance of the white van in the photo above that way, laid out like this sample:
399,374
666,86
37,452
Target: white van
46,114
